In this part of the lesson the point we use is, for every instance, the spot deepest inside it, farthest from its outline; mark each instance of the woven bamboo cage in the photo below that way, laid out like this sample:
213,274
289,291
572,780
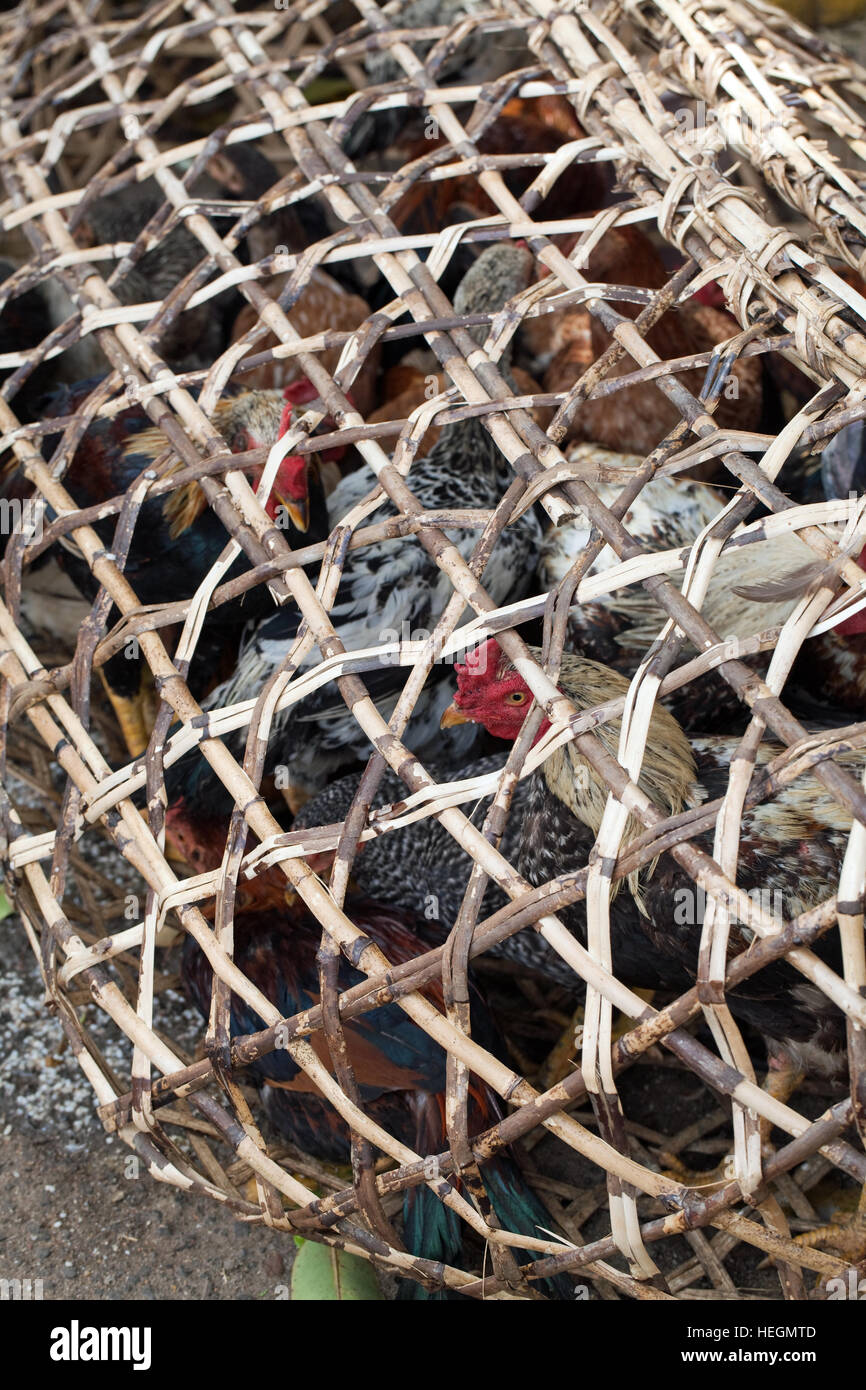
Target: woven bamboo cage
767,200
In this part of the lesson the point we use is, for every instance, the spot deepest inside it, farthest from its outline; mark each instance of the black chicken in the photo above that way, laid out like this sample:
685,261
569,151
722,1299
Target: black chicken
399,1069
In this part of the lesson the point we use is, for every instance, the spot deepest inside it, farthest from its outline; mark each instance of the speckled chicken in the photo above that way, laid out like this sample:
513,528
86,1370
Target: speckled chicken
422,867
419,865
667,514
790,848
389,587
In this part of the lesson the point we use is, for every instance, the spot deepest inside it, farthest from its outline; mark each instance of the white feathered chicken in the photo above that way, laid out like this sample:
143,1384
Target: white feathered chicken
668,514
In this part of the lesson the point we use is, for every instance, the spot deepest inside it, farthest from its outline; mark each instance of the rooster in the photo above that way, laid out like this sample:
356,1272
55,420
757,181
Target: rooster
177,537
791,847
387,586
399,1069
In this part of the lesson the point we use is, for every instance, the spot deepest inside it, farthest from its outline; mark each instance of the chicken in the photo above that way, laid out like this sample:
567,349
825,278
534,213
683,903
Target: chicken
618,628
388,588
832,666
474,57
406,387
399,1069
177,537
25,319
520,129
791,850
244,172
434,885
324,306
637,418
421,866
194,338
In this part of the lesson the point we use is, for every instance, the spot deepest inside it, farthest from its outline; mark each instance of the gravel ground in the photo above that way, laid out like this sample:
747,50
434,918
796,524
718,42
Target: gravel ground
77,1216
75,1221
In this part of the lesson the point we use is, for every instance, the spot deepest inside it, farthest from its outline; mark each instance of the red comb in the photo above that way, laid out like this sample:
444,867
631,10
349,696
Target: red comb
478,662
300,391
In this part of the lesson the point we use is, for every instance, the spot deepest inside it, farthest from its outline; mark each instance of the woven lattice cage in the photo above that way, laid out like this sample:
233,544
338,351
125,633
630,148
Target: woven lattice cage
736,140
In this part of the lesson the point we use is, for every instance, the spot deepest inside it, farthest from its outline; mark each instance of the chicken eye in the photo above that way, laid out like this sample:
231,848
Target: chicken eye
241,442
516,697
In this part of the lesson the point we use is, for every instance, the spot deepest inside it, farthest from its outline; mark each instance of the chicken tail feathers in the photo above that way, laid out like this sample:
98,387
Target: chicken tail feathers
432,1232
519,1210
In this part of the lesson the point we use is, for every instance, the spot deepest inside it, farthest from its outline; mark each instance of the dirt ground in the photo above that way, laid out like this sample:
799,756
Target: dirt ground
76,1214
78,1224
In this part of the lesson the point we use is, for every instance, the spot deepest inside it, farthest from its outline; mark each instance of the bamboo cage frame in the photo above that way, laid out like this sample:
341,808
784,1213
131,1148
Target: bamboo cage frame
792,109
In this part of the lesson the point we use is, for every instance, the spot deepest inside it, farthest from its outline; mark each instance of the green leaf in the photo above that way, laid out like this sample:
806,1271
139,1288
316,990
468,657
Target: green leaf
322,1274
6,908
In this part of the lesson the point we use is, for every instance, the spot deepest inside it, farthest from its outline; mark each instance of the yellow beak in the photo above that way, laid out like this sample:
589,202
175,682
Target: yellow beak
298,510
453,716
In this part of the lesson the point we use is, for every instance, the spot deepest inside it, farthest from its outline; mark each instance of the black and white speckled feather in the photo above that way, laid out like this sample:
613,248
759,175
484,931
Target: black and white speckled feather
791,851
423,868
392,588
667,514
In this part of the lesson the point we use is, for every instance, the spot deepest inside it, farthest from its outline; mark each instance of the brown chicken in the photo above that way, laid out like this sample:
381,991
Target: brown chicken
524,127
407,386
636,419
323,305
